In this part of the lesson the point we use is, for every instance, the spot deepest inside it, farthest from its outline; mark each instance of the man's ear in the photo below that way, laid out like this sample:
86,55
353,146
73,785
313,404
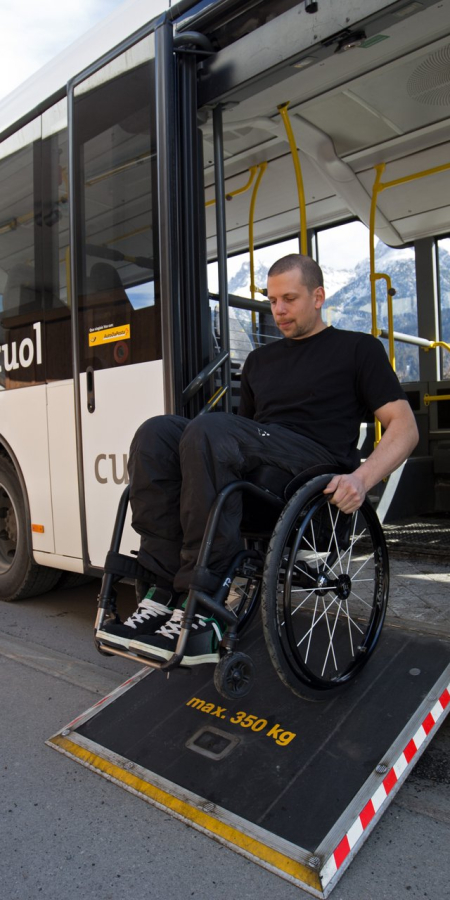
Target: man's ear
319,297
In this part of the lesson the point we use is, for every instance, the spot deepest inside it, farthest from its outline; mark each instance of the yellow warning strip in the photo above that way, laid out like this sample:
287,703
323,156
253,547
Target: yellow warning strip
279,861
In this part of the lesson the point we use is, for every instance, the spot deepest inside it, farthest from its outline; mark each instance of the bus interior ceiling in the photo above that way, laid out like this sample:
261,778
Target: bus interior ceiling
376,94
384,100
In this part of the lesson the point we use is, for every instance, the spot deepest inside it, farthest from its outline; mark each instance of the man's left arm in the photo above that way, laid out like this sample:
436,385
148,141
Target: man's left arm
398,441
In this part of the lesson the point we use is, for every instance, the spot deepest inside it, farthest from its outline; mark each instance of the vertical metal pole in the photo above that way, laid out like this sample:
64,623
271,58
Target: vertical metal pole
74,200
427,307
195,322
168,236
222,249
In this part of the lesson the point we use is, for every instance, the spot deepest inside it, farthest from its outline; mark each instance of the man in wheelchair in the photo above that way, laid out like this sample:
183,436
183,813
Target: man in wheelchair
303,399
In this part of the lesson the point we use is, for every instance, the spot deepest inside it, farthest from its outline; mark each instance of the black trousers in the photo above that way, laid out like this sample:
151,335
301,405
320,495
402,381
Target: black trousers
177,467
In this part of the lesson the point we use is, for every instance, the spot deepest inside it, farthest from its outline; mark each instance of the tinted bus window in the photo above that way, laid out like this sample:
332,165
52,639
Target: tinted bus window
21,333
115,151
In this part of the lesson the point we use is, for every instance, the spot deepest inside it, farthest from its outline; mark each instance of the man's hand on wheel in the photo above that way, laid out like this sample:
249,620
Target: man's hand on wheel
348,492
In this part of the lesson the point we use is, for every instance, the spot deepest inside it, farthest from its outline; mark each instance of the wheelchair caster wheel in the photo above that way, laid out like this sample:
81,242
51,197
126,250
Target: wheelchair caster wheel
234,675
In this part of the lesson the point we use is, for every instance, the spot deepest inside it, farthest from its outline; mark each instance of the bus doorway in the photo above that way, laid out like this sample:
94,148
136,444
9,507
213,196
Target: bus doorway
117,314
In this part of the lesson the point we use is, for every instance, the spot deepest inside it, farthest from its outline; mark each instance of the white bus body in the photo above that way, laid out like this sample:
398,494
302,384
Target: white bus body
104,321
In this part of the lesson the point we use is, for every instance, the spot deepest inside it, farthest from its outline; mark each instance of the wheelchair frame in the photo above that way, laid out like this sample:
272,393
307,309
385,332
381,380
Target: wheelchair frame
293,565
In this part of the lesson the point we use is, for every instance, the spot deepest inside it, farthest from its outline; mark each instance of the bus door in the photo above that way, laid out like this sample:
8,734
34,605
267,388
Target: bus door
117,309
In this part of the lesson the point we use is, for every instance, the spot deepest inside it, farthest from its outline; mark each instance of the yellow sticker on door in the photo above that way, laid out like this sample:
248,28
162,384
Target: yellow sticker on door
109,335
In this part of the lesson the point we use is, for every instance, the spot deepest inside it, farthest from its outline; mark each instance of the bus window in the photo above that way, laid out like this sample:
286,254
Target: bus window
444,301
21,358
118,280
344,255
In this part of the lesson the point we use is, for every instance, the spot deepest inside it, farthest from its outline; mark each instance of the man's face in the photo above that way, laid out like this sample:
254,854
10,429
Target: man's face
296,310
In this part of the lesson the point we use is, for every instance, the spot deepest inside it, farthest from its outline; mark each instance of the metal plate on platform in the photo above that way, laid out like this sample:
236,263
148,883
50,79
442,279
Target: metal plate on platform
294,785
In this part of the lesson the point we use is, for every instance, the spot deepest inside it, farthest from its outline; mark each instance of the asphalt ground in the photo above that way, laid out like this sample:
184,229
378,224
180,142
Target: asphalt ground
66,831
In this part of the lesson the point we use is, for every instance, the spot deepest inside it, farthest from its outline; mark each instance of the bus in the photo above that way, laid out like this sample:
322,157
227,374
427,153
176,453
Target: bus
149,175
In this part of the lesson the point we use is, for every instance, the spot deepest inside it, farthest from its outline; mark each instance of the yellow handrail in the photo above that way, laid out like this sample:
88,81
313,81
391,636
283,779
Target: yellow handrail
283,110
218,394
240,190
373,294
390,292
428,398
251,243
379,186
251,221
373,208
414,176
117,170
434,344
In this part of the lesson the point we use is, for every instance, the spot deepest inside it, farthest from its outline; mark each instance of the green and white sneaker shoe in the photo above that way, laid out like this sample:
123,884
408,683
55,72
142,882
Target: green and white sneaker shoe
151,613
202,644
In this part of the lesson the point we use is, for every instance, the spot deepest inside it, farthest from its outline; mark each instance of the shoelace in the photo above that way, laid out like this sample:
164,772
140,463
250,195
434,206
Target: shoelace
172,628
146,610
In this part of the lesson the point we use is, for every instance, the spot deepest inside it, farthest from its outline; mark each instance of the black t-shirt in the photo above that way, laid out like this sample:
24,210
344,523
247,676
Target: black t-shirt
322,386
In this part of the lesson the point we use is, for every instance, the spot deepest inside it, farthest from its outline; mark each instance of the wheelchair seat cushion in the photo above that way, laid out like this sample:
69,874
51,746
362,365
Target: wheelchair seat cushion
270,478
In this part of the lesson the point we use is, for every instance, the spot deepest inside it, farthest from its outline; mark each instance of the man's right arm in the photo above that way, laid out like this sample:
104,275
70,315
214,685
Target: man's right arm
398,441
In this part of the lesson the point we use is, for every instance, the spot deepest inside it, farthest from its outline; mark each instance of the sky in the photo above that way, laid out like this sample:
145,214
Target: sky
33,33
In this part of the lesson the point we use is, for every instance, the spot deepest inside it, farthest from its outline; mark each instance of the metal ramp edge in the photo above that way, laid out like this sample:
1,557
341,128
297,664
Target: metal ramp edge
318,872
392,771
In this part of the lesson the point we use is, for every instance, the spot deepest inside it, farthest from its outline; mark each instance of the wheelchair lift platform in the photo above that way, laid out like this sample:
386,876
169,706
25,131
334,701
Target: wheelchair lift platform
293,785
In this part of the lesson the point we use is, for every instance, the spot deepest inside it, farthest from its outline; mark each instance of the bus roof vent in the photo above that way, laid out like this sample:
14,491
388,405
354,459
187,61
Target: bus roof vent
430,82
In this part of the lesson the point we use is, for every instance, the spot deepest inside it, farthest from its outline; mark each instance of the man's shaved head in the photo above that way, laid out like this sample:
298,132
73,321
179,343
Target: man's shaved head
310,272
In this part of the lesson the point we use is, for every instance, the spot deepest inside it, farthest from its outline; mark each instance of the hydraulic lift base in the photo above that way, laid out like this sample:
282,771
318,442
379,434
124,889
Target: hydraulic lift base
294,786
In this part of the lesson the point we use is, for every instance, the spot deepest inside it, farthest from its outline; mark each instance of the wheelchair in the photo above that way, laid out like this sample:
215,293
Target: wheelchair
319,576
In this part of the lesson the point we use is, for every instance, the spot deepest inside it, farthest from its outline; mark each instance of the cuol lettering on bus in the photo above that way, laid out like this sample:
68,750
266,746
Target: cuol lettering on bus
23,355
103,469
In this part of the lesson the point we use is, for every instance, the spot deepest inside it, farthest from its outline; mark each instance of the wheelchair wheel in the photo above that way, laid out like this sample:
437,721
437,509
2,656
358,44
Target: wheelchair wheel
325,591
234,676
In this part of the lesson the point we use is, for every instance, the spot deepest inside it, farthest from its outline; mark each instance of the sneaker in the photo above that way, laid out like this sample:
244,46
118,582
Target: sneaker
202,644
149,616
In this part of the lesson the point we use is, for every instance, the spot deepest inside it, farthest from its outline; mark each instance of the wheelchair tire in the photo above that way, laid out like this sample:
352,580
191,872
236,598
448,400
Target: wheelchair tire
234,676
325,591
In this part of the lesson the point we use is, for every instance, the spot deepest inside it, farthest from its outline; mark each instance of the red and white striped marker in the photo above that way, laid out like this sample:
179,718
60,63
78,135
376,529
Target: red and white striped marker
391,778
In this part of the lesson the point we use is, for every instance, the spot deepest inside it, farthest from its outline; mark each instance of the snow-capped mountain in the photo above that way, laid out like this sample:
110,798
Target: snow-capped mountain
348,303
